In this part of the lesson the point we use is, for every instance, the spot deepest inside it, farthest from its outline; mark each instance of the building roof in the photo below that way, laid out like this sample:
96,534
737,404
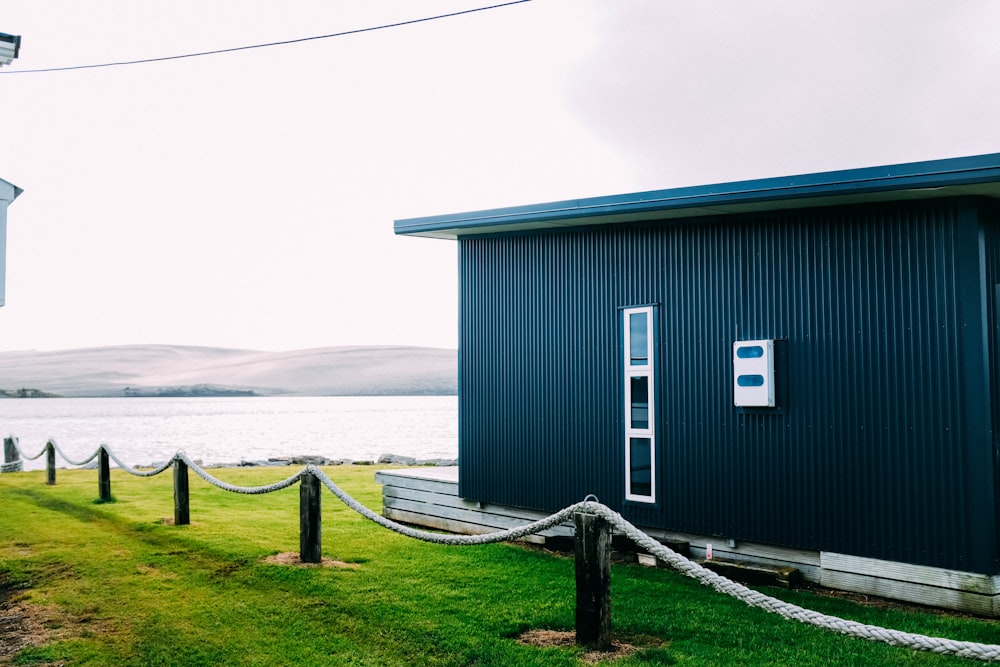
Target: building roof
976,175
10,188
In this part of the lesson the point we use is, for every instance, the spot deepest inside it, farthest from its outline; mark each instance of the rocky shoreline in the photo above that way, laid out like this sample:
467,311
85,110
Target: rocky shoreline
306,459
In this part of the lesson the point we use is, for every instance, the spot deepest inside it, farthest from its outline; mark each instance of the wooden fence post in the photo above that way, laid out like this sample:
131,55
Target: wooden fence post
182,502
593,581
50,463
310,528
11,457
103,475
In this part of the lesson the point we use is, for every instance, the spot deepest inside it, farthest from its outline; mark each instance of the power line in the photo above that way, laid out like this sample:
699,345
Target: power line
269,44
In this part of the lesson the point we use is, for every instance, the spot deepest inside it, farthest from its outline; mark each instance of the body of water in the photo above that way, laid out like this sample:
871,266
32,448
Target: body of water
228,430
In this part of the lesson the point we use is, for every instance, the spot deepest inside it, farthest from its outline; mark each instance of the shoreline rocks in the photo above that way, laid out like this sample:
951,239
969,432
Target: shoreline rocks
284,461
306,459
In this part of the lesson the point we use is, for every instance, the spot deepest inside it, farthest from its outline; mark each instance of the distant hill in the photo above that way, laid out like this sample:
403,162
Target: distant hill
174,370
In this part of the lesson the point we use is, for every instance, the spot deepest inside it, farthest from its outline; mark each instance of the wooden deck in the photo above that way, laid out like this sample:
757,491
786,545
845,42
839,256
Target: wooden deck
429,497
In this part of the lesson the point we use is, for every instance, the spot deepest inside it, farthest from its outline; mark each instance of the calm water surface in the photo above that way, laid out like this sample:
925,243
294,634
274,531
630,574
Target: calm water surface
227,430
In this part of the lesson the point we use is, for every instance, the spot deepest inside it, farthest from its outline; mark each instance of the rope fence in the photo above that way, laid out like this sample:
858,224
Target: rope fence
593,521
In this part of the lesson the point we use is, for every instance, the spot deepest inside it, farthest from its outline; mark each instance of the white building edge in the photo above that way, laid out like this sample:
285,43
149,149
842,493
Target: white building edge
8,193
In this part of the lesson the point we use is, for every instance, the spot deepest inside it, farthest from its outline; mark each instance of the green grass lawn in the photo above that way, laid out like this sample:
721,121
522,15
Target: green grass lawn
116,584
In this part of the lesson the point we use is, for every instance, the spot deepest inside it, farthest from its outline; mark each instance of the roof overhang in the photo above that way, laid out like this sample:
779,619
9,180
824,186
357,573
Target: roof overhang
8,191
10,47
967,176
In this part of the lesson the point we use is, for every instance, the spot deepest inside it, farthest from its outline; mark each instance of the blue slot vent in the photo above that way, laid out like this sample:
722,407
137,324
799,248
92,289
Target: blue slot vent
750,380
750,352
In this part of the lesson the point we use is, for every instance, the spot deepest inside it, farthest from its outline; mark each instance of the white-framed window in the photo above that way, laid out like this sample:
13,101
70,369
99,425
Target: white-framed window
640,419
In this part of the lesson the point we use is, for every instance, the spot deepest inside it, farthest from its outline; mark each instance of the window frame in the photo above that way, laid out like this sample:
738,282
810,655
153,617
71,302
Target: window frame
630,371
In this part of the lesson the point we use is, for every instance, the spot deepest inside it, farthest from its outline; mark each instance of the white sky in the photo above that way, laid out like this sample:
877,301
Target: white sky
247,199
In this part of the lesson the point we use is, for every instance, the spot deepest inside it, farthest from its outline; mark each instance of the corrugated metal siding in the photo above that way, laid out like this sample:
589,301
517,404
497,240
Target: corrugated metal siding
870,453
990,218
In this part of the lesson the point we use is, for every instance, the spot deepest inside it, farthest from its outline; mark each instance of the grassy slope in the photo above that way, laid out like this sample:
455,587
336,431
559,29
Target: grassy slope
121,587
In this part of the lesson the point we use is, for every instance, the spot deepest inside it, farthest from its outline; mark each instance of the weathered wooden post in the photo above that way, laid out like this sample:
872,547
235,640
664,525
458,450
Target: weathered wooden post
103,475
50,463
310,528
593,581
182,502
11,457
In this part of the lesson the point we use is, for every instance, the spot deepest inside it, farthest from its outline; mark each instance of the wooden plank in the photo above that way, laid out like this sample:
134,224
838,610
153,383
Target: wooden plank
429,485
449,500
444,487
744,550
444,473
450,525
807,562
478,517
527,516
921,574
809,572
910,591
429,497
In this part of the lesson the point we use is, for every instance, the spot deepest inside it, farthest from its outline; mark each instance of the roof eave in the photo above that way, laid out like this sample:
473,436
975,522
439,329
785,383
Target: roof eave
16,190
978,175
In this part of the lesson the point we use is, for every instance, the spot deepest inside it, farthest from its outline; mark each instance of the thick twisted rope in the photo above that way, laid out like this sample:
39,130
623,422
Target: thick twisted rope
232,488
71,461
20,451
132,471
939,645
179,456
58,449
989,652
446,538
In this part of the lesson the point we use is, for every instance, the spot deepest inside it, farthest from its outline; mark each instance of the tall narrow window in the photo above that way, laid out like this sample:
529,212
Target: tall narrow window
640,450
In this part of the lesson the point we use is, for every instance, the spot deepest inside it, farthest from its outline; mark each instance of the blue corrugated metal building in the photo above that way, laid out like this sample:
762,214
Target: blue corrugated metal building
807,362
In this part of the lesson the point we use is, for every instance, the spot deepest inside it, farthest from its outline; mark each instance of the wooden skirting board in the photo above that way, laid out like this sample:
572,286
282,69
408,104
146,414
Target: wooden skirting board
429,497
936,587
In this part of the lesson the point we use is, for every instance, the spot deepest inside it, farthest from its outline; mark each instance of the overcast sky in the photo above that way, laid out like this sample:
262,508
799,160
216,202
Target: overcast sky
247,199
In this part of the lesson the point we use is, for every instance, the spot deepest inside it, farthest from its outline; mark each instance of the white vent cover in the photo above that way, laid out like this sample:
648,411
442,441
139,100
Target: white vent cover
753,373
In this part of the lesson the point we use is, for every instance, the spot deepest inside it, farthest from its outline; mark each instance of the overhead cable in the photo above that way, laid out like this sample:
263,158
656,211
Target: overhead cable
268,44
